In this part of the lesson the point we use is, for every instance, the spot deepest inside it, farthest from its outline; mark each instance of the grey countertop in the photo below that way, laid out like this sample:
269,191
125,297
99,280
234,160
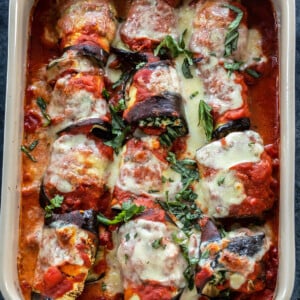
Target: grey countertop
3,55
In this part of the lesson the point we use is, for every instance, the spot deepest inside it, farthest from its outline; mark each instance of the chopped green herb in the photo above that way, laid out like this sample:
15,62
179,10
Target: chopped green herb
129,210
205,254
55,202
140,65
105,94
135,235
43,107
158,244
153,191
231,67
127,237
33,145
103,286
192,96
28,149
185,67
232,35
221,181
170,46
253,73
256,58
119,129
205,119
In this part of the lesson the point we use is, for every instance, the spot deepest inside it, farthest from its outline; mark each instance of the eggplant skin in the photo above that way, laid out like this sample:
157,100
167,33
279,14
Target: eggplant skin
92,51
98,128
86,219
246,245
129,58
231,126
37,296
164,105
210,232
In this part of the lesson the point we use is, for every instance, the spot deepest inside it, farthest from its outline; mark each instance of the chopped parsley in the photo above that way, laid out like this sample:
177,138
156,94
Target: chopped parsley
105,94
55,202
205,119
129,210
193,95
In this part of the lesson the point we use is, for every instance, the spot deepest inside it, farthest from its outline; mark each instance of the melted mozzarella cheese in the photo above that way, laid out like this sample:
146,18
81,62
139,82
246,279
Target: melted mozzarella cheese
234,149
140,261
76,106
152,19
144,174
219,192
75,159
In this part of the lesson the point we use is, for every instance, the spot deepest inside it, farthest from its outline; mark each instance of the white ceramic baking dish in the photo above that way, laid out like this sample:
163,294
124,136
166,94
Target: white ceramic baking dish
19,13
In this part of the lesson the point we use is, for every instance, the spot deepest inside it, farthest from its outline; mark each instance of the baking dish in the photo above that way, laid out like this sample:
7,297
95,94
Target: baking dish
18,26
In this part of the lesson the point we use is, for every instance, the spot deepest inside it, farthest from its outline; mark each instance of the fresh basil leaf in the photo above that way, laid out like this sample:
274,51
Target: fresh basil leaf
232,35
171,45
205,119
55,202
43,107
129,210
119,129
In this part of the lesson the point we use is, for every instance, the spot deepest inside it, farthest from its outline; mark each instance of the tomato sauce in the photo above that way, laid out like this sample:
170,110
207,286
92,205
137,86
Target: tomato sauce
263,102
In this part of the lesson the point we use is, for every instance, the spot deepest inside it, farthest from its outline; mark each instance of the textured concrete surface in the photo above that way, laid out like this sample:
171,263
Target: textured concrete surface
3,55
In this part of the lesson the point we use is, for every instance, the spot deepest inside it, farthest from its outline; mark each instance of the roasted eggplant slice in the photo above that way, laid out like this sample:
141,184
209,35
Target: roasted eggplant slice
78,172
85,219
163,113
65,257
129,58
231,126
95,126
95,53
236,176
72,61
89,22
77,97
235,262
147,24
149,258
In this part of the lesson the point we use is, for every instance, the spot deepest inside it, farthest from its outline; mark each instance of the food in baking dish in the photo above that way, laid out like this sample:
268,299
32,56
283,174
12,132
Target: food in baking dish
150,162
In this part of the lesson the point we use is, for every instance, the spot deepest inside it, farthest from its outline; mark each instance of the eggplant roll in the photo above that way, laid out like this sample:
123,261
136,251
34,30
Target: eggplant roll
151,262
66,254
155,104
211,25
144,172
147,24
86,22
77,171
75,60
232,263
236,176
77,97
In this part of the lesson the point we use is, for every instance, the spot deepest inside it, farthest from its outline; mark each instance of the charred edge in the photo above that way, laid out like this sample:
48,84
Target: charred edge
246,245
129,58
98,128
91,51
164,105
37,296
231,126
86,219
